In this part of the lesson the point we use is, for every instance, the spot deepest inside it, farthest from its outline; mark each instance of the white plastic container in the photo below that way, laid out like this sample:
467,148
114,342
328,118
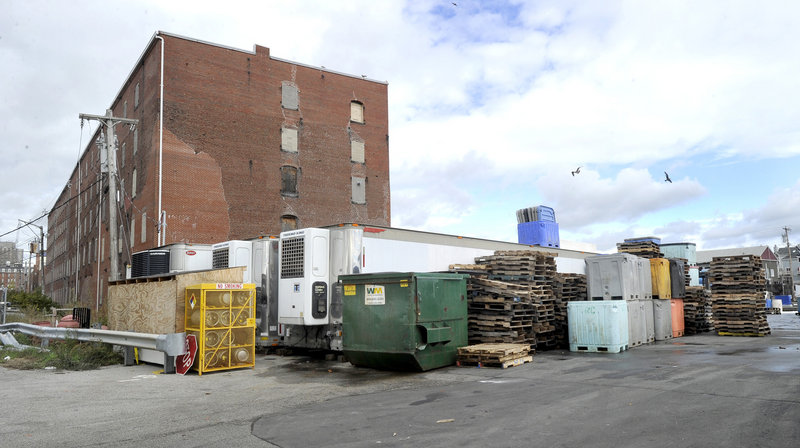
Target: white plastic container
598,326
645,279
662,316
636,324
613,277
649,321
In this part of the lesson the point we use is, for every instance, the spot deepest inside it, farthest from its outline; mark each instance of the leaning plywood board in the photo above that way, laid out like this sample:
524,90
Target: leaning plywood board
156,304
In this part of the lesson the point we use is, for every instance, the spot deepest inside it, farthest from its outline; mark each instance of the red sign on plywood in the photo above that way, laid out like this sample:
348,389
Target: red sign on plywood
184,362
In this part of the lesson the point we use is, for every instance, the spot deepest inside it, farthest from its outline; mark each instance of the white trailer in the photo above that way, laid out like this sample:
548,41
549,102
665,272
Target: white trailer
309,300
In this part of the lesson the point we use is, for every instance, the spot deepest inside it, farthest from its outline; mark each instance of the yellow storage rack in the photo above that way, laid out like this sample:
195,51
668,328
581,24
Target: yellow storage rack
659,271
222,318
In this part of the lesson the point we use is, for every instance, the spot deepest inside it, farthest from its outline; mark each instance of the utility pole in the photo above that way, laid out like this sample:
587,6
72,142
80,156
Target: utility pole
109,121
786,231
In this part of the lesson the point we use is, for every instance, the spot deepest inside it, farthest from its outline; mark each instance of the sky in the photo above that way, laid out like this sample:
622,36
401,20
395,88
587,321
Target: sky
492,105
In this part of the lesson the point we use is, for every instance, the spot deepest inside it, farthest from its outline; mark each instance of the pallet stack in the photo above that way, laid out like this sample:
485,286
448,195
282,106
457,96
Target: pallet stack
644,249
494,355
567,288
500,312
698,317
536,271
737,291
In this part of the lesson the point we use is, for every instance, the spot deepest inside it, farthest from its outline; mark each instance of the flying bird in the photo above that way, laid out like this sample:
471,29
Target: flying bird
577,171
667,177
454,3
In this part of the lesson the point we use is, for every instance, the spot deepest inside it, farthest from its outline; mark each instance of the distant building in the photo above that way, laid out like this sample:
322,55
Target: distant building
252,145
784,266
768,258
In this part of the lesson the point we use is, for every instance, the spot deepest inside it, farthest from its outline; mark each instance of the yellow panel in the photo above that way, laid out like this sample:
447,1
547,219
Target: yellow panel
659,272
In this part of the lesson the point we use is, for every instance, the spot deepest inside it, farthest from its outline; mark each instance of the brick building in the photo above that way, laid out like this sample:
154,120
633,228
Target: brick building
251,145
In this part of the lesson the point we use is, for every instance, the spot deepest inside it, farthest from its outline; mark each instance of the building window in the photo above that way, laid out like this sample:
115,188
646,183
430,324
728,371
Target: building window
288,222
125,109
136,96
133,230
356,112
122,156
288,180
359,190
133,184
357,151
135,140
289,139
289,97
144,227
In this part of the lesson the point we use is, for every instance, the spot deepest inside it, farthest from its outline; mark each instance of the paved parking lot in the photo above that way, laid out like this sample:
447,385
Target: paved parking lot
693,391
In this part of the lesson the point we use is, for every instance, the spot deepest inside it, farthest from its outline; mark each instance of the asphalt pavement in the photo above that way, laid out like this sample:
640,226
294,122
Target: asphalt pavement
702,390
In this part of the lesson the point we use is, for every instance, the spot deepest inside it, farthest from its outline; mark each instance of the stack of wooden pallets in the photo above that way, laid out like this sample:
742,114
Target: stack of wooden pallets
644,249
567,288
500,312
698,317
494,355
737,290
533,270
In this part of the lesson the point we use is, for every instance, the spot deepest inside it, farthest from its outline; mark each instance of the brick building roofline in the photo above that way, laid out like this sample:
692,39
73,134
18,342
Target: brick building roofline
253,52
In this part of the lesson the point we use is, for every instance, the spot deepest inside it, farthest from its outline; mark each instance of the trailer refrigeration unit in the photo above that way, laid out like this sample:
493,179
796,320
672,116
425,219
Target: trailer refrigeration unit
310,261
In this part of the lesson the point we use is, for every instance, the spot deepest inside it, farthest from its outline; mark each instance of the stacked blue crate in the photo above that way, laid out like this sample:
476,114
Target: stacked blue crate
537,226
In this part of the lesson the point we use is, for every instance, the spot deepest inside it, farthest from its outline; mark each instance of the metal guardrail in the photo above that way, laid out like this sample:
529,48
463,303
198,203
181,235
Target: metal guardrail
172,344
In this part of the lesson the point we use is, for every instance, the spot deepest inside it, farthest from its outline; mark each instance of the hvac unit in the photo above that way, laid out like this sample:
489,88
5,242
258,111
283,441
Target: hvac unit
149,262
232,254
304,278
189,257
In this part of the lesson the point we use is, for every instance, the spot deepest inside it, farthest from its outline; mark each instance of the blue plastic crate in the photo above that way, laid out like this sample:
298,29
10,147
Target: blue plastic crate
538,233
785,300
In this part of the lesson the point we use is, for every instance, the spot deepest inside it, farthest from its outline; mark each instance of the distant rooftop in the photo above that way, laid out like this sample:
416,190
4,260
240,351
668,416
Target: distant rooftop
705,256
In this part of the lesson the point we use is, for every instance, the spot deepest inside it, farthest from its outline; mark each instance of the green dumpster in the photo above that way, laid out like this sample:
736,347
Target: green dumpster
404,321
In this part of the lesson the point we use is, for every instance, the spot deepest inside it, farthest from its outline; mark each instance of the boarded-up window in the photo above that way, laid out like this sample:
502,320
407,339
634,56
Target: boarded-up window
359,190
133,184
144,227
288,222
135,140
289,97
356,112
357,151
289,139
136,96
133,231
288,180
125,109
122,156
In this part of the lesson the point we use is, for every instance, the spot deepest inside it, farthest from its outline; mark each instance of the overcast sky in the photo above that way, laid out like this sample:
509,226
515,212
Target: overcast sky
492,105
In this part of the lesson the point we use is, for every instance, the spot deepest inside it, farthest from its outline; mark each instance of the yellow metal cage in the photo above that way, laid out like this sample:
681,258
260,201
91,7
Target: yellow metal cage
222,318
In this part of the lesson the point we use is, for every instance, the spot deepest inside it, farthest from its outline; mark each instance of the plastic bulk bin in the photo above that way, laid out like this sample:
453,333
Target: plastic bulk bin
600,326
538,233
769,303
662,319
677,277
677,317
645,279
636,324
659,275
612,277
649,321
785,300
404,321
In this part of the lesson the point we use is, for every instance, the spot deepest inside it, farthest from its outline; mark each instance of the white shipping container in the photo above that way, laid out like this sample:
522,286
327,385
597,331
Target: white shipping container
598,326
613,277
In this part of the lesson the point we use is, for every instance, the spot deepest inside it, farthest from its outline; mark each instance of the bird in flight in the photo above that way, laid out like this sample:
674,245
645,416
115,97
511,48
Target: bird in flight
667,177
454,3
577,171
